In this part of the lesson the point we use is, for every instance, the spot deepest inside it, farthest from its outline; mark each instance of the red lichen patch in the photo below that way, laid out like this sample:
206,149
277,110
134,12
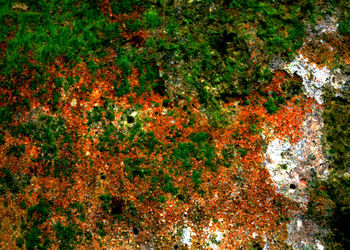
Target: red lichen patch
150,162
278,78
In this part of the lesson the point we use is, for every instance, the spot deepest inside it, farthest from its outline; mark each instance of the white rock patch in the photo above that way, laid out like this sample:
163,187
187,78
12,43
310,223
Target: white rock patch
215,239
187,236
314,78
282,169
327,27
319,245
304,234
292,165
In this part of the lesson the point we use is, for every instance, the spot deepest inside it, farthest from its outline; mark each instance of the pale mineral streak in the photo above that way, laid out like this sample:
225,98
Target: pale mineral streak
303,233
314,78
291,166
187,236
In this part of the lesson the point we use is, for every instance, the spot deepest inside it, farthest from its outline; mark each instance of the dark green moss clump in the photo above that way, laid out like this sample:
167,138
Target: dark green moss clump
337,132
292,87
344,24
67,235
12,182
217,51
273,103
337,187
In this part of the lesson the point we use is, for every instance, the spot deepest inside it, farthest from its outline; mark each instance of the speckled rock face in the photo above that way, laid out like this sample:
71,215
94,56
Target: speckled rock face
303,234
314,78
292,165
186,236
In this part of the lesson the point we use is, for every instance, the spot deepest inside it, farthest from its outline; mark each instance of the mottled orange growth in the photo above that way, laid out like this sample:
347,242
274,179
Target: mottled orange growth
331,50
278,78
237,197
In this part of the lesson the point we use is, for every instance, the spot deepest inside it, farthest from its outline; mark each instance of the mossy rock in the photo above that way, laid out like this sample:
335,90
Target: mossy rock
293,86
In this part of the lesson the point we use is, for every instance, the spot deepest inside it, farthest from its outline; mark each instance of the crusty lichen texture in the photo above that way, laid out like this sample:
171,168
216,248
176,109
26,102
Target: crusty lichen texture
166,124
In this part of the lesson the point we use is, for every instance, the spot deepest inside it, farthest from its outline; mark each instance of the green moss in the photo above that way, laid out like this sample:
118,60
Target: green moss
243,152
271,106
12,182
67,235
108,141
106,199
33,239
94,116
337,187
152,18
100,229
125,65
17,151
169,186
39,213
199,137
273,103
43,30
7,181
337,133
148,140
344,24
196,175
5,115
292,88
33,236
162,199
58,82
132,166
184,151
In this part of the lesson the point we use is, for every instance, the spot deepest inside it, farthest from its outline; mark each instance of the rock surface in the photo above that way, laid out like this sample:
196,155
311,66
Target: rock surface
291,165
